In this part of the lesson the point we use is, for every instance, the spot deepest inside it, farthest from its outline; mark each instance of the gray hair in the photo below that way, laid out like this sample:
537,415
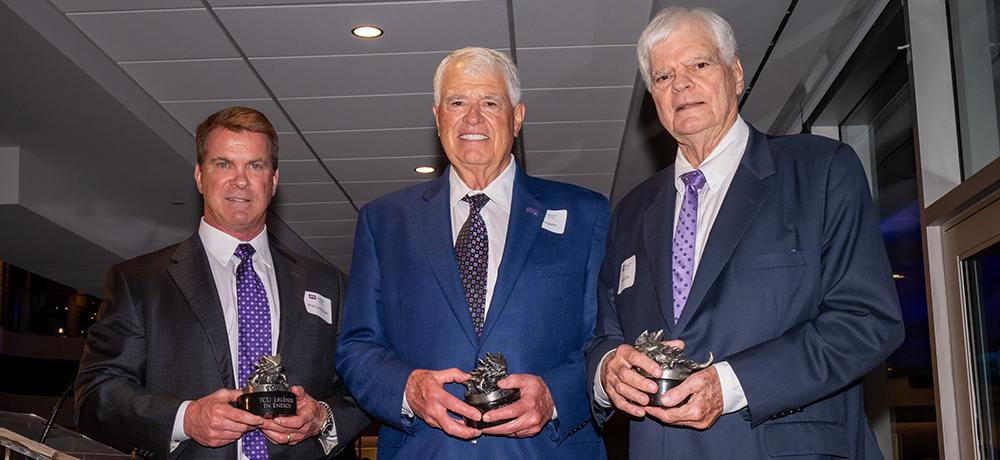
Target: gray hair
481,61
670,18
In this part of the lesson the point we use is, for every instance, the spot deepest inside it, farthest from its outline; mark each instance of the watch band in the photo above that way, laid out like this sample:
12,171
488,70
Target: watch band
328,427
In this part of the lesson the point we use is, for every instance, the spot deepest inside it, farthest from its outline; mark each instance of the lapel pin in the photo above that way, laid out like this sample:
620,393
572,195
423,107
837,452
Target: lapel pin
533,211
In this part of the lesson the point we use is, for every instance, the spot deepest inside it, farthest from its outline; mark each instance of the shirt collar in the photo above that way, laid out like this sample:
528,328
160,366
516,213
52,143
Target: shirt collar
500,191
723,160
221,245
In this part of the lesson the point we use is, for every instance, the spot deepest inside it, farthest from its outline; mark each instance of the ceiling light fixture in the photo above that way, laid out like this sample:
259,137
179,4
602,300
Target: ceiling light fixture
425,169
897,276
367,31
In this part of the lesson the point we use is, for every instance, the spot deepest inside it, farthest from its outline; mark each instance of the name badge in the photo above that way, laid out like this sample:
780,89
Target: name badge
627,277
319,306
555,221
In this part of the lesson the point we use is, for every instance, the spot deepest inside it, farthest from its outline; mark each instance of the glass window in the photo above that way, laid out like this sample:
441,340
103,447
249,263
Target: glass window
982,294
977,71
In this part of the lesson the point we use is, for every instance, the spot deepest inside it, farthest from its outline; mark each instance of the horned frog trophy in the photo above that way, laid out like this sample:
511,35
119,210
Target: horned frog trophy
266,392
676,368
482,391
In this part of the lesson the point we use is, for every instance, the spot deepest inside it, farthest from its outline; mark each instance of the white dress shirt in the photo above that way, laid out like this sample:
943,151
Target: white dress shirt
718,168
220,247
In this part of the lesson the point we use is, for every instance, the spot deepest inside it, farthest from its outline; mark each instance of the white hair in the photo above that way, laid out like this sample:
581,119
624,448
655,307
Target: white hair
480,61
666,21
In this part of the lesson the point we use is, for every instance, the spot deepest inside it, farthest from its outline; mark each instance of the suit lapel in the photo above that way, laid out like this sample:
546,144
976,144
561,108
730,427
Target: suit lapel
657,226
522,230
194,278
747,193
291,292
434,217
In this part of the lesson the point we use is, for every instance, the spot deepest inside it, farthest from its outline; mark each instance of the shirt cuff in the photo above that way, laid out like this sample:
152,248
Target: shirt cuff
177,436
328,442
601,396
733,398
406,412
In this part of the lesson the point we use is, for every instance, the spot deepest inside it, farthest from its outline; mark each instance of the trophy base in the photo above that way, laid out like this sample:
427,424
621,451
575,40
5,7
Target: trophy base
267,403
489,401
673,379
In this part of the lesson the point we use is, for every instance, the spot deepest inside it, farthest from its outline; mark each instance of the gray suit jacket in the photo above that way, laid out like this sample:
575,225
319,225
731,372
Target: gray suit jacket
160,339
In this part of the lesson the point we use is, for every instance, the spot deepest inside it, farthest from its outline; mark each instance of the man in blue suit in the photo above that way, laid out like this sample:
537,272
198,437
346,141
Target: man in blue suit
762,250
482,259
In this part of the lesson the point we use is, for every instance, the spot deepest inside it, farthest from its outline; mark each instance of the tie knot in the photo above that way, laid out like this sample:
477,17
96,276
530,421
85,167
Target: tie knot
245,251
476,202
694,179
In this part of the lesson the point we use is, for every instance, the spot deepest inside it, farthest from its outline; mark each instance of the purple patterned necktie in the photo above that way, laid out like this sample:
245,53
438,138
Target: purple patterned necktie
255,334
684,239
472,252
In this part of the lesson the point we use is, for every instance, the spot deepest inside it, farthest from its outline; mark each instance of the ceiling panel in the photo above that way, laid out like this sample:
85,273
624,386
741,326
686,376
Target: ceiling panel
116,5
376,143
313,192
301,171
600,183
375,169
197,79
305,30
292,147
349,75
324,228
313,211
156,34
579,66
573,136
361,112
576,104
579,22
368,191
339,245
191,113
571,162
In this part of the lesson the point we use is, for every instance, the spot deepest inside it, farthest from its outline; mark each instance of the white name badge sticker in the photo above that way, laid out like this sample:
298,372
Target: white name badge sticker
319,306
555,221
627,277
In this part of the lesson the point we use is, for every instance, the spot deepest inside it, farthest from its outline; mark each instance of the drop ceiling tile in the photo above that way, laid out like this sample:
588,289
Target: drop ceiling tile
309,30
341,262
361,112
571,162
292,147
600,183
191,113
376,143
340,245
291,212
579,22
563,67
69,6
577,104
376,169
324,228
197,79
300,171
371,190
573,136
349,75
315,192
154,35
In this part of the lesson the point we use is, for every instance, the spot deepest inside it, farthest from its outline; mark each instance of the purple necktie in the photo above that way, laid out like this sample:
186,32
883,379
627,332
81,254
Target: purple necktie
684,239
255,334
472,252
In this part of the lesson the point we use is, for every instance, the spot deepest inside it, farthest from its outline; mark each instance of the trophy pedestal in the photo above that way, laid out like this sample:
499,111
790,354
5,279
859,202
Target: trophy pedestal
486,402
671,379
267,403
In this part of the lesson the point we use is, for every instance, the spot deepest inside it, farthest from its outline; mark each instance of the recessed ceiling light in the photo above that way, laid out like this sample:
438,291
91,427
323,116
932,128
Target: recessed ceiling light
898,277
425,169
367,31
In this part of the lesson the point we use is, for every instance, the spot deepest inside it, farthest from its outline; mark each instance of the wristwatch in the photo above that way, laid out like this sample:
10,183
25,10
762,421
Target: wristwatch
328,427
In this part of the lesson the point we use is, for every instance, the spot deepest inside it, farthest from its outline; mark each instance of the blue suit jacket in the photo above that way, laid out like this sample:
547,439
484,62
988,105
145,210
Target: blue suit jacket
794,290
406,310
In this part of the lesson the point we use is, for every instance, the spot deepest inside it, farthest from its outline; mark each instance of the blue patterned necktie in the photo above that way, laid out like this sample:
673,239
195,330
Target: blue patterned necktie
255,334
684,240
472,252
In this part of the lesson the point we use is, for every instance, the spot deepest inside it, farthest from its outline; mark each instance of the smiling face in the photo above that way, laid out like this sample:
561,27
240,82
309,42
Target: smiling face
694,89
237,182
476,123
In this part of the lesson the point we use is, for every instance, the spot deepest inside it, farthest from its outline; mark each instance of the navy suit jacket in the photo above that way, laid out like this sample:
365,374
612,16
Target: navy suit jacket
406,310
794,290
161,339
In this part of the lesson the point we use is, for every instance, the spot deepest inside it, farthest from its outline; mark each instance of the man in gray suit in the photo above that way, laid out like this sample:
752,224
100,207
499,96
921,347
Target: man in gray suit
174,336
